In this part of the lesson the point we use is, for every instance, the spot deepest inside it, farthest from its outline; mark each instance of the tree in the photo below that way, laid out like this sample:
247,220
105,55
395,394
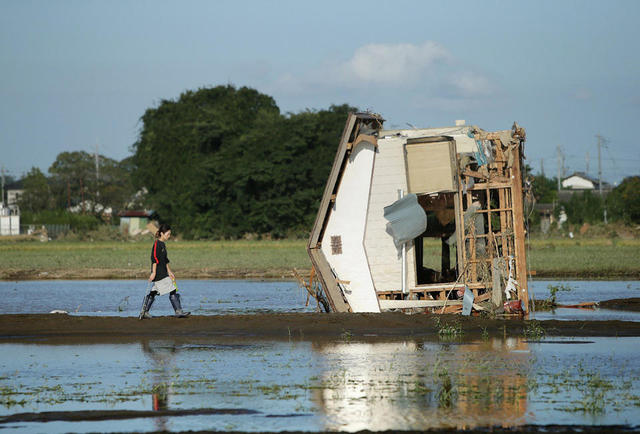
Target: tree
72,175
584,207
545,189
73,178
222,162
115,185
623,202
37,194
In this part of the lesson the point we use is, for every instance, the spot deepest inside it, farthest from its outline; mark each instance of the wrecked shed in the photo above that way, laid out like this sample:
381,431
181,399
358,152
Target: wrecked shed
422,219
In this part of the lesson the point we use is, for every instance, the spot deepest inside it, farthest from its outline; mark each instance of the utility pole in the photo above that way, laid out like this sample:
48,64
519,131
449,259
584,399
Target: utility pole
560,166
599,137
601,143
542,167
587,159
97,174
2,200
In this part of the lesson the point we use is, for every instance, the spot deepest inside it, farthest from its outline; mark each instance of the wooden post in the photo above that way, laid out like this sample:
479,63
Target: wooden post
518,229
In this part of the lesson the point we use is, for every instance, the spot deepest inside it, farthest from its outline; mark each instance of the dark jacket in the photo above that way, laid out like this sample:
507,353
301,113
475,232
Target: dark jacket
159,256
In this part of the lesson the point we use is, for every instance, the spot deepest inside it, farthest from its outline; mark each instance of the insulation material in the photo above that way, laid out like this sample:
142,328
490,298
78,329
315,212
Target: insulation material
407,219
429,168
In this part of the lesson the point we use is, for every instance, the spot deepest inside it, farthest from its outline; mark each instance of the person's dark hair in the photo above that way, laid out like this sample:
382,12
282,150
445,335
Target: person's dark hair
162,229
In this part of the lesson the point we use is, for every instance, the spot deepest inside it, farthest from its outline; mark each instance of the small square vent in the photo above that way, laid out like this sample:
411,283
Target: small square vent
336,245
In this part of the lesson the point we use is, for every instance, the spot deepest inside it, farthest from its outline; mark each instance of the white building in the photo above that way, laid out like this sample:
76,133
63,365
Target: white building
582,181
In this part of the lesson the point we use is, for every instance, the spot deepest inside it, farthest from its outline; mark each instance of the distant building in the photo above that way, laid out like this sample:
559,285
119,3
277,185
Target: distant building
582,181
9,211
545,211
134,222
14,191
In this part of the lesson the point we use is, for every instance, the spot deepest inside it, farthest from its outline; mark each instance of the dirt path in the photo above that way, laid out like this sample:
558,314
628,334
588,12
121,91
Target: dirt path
85,329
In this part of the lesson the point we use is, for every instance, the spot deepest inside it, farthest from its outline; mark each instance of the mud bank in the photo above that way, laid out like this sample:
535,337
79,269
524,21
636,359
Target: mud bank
294,325
627,304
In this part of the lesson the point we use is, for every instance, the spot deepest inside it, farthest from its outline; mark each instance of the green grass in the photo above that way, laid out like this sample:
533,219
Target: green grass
563,257
184,255
595,258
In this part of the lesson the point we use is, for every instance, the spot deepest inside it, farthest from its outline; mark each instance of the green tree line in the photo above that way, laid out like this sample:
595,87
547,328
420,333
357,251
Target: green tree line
622,203
223,162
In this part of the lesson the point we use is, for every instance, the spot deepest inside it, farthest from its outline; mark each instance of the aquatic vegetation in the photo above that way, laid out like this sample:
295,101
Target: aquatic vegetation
533,330
346,336
553,291
449,330
122,306
485,334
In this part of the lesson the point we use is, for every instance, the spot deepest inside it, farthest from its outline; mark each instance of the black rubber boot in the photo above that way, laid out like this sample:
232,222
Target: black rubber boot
146,306
174,297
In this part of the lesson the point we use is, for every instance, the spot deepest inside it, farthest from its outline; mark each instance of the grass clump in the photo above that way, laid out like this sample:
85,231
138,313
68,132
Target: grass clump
533,330
449,330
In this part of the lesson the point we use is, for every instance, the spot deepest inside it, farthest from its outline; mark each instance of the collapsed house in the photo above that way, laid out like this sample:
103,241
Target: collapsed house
422,220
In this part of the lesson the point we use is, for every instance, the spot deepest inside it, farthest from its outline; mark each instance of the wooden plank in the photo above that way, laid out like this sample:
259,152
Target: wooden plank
493,210
432,287
503,221
457,200
365,138
518,229
406,304
489,244
482,186
325,203
328,282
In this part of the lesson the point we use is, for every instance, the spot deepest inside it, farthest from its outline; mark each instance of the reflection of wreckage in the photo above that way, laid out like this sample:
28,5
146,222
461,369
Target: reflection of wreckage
360,390
395,196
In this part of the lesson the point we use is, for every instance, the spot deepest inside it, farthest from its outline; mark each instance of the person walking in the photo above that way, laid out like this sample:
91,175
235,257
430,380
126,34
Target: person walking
162,277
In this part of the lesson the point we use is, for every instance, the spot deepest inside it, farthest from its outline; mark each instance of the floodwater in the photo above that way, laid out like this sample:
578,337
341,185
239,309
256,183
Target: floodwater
219,297
578,291
343,383
323,385
124,297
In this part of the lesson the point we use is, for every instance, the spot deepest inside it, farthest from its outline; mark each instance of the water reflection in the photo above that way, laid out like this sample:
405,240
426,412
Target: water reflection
316,385
161,359
414,385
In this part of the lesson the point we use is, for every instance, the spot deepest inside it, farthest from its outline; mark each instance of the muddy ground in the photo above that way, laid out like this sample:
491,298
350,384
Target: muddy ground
627,304
68,329
291,325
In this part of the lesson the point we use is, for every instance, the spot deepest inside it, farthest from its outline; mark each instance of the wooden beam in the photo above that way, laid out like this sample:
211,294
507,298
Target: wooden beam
518,228
325,202
328,282
405,304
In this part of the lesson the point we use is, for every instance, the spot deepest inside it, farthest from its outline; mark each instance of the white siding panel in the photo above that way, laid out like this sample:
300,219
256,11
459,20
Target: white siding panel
348,220
389,175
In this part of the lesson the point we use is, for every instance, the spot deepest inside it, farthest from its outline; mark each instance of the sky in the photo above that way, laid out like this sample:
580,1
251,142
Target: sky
78,75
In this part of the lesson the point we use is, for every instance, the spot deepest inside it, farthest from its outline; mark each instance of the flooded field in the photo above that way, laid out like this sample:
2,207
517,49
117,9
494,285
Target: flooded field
318,385
217,297
203,376
124,297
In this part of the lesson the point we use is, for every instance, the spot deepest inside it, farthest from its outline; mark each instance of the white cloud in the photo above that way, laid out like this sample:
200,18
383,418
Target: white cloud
392,64
427,69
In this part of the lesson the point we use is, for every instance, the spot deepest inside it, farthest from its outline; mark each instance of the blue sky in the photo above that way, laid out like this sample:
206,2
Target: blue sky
74,74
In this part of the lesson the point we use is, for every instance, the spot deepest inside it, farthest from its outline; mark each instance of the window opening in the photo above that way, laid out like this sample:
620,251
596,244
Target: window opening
435,249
